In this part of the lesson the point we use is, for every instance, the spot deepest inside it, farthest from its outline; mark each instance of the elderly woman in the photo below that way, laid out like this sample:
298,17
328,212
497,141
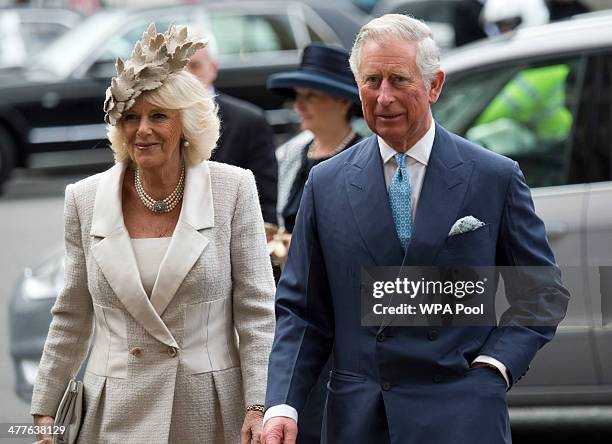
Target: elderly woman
326,99
166,256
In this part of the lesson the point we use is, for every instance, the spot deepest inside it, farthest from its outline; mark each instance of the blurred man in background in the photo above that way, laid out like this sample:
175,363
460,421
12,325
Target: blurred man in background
530,112
501,16
246,138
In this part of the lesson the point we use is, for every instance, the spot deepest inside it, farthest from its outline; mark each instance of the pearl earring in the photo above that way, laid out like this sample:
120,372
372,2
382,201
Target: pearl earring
185,144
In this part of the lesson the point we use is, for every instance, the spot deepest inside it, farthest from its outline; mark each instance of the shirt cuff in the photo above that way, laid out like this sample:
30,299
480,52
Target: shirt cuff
484,359
281,410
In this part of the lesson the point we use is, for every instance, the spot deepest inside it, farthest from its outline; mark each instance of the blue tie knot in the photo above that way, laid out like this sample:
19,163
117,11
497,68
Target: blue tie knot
400,158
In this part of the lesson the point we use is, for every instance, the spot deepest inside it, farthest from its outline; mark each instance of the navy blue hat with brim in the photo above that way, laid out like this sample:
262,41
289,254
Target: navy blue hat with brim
323,68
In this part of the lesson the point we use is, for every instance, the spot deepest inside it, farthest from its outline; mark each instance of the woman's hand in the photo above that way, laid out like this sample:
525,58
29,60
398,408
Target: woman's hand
251,428
46,421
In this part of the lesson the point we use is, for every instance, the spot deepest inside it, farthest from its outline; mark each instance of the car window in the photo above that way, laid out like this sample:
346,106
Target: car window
38,35
252,33
523,111
122,45
67,53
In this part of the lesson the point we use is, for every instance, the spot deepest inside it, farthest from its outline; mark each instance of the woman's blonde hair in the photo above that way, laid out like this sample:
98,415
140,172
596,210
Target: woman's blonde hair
198,111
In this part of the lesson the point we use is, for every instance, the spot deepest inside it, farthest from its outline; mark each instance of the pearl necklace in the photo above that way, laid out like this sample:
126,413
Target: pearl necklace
160,206
336,150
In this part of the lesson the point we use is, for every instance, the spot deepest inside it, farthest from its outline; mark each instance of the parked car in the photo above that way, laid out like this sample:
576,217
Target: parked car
572,189
438,14
543,96
25,31
55,104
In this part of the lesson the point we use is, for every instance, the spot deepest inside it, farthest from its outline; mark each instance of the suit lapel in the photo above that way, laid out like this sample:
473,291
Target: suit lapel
367,193
187,244
445,184
115,256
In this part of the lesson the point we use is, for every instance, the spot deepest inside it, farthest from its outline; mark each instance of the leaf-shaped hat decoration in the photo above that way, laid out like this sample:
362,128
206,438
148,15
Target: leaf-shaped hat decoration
154,58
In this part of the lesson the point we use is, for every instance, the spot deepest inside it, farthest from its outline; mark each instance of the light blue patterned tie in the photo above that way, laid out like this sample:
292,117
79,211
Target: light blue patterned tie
400,199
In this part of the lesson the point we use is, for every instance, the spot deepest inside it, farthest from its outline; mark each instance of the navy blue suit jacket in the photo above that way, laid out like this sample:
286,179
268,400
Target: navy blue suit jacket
414,382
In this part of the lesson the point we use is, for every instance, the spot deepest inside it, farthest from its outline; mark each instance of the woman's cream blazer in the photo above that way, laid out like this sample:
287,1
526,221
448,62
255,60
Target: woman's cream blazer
181,366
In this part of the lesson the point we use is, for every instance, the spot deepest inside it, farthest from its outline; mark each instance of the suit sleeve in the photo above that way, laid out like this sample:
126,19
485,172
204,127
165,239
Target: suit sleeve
68,337
253,290
260,158
304,312
538,300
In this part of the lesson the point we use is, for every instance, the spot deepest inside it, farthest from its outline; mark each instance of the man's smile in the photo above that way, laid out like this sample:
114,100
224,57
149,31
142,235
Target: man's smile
389,117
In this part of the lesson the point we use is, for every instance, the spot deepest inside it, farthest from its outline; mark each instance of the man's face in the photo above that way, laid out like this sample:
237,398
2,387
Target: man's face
201,66
394,97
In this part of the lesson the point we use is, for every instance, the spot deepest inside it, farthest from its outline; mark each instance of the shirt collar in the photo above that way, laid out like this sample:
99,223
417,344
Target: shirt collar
420,151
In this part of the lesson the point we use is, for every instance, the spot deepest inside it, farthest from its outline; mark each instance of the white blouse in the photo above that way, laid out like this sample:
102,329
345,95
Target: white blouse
149,254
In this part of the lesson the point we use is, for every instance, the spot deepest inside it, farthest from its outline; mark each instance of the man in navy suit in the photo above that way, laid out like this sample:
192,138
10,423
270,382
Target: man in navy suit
408,385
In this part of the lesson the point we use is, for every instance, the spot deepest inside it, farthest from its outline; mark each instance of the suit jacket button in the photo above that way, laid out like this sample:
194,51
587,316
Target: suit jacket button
437,378
432,335
386,386
381,337
172,351
136,351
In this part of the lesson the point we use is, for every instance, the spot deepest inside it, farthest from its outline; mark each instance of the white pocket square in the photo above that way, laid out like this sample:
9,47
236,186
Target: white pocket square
465,225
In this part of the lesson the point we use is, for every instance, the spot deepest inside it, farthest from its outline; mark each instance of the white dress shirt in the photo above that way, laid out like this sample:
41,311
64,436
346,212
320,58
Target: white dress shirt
417,159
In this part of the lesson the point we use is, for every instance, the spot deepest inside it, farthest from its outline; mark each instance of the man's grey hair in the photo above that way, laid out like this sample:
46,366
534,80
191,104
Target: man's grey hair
391,27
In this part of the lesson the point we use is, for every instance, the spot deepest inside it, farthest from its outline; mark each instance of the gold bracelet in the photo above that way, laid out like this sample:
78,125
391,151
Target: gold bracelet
256,408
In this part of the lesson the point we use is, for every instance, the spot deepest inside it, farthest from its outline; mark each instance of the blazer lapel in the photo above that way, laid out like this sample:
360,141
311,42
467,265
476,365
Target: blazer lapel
367,193
187,244
445,184
115,256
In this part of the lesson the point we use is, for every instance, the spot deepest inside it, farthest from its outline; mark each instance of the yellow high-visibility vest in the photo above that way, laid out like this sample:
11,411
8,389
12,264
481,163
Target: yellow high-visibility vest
535,97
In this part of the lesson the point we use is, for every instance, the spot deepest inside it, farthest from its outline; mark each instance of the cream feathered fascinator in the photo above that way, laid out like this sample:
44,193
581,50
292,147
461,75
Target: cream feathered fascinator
153,59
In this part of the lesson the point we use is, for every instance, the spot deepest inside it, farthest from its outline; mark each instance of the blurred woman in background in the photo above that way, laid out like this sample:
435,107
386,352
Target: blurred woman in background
326,98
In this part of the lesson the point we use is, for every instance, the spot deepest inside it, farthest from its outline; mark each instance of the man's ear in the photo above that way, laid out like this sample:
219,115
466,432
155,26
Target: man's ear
435,87
214,70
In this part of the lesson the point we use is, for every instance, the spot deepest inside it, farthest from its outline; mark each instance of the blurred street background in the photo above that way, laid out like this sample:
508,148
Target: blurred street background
56,59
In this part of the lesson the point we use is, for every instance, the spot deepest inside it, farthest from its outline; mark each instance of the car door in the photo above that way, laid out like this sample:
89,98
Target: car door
498,108
598,231
65,115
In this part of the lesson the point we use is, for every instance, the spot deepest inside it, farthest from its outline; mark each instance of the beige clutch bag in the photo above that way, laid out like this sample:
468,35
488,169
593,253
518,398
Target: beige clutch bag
70,413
